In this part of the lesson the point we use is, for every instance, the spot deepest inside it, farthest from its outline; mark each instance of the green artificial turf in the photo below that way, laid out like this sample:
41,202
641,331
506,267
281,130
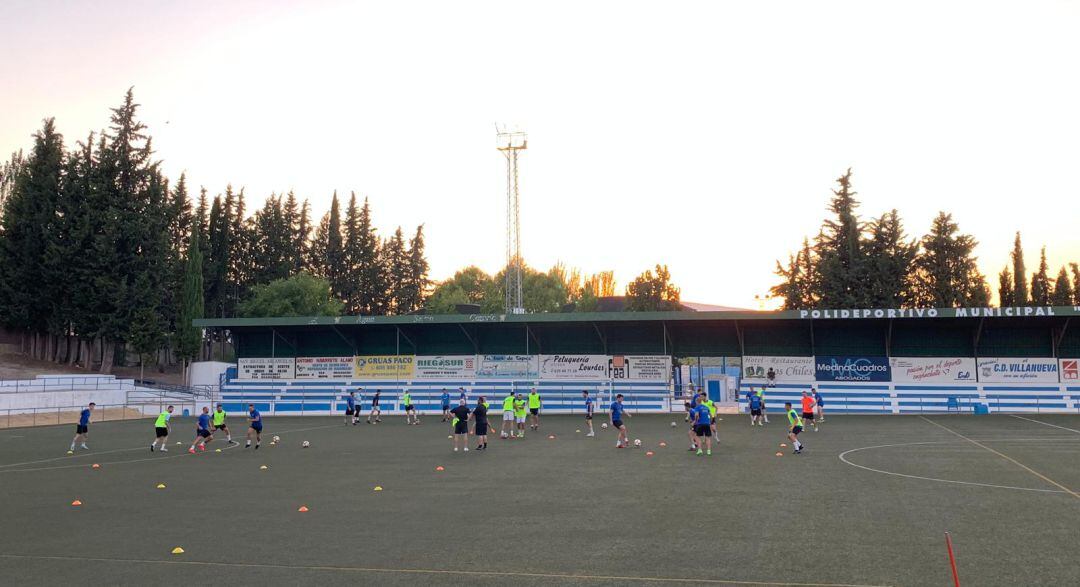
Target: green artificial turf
568,511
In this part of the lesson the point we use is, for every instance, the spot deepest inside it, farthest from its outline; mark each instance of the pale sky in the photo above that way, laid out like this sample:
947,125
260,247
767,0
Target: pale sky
704,135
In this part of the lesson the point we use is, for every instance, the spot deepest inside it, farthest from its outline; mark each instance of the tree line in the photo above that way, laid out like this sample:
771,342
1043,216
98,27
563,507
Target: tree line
853,263
101,254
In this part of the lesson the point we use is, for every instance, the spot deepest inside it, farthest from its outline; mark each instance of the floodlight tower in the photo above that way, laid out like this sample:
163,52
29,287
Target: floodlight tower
510,143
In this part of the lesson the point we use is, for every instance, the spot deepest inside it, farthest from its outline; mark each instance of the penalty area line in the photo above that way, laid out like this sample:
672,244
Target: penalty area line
446,572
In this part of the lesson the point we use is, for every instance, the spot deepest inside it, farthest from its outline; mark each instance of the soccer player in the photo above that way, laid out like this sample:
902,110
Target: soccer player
794,427
712,411
461,425
255,427
820,403
463,395
617,412
161,429
350,408
508,416
589,409
691,403
519,415
479,416
755,408
445,398
703,427
808,409
411,417
83,427
764,406
534,408
219,422
202,431
375,411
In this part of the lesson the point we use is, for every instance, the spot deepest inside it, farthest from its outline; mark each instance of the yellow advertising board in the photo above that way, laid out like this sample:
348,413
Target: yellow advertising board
397,367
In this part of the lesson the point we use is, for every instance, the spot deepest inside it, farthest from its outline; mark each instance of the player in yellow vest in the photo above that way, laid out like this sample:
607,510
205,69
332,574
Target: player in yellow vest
519,415
534,408
712,414
508,416
161,429
795,424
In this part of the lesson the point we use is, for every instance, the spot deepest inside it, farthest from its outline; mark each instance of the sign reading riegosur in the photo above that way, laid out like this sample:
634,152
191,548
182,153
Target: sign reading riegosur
932,369
449,367
783,368
507,367
1070,370
397,367
277,368
640,367
324,368
1013,370
851,368
573,366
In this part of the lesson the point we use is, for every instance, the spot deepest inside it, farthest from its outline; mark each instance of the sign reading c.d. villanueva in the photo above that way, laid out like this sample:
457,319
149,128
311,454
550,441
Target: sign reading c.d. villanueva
862,313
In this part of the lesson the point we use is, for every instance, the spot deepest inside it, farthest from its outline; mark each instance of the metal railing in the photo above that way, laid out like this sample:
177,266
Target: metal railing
60,384
861,404
51,416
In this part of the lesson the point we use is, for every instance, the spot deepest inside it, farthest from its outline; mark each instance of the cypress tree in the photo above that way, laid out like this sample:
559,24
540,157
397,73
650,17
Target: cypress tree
189,338
301,239
1020,288
1063,291
890,262
372,282
335,253
946,273
839,250
352,259
1005,288
1040,283
396,266
1076,282
415,283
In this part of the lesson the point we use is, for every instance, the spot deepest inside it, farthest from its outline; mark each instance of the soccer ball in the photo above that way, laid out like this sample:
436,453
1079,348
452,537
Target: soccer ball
276,439
604,425
637,442
305,444
673,424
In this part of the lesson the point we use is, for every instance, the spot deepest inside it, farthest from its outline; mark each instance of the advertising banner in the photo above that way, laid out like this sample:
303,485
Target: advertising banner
785,368
324,367
1070,370
851,368
573,366
267,368
640,367
933,369
397,367
1013,370
445,367
507,367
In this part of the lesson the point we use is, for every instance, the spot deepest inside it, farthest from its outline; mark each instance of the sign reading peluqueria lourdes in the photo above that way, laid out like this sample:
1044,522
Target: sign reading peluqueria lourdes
862,313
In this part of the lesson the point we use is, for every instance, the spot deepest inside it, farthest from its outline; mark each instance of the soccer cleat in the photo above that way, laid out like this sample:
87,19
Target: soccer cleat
709,452
191,450
256,447
202,447
84,447
699,453
151,448
591,434
466,449
455,449
163,449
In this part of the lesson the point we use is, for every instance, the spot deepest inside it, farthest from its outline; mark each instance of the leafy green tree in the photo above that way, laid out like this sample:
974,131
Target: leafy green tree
189,338
890,261
841,260
9,170
1006,289
468,286
1076,282
299,295
946,273
800,280
352,258
371,277
1020,286
396,267
1063,291
415,282
651,293
1040,283
300,240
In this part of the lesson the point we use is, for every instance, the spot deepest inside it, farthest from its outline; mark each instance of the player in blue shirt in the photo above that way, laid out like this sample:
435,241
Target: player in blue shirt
445,399
202,431
703,427
820,404
617,413
351,412
462,395
754,402
82,428
691,403
255,426
589,409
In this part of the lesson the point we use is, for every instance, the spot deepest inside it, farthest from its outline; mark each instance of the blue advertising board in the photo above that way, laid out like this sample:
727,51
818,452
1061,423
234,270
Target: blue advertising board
852,368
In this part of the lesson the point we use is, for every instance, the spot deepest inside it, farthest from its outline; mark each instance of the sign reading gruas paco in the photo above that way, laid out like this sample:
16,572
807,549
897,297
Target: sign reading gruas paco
933,369
396,367
266,368
324,367
573,367
1012,370
757,367
450,367
640,367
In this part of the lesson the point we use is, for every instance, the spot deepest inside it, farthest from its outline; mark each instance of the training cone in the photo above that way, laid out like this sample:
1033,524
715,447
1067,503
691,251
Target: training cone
71,452
578,431
76,503
649,453
178,550
263,468
449,435
179,444
440,468
161,486
95,466
303,508
782,445
551,437
217,450
378,488
779,454
663,444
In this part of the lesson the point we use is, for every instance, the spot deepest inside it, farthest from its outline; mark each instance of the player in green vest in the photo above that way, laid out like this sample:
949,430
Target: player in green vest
519,415
411,415
712,413
764,409
794,427
508,416
534,408
219,422
161,429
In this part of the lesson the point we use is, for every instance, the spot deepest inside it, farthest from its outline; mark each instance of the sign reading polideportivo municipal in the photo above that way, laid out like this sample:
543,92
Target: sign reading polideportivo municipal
324,367
862,313
933,369
1013,370
850,368
507,367
397,367
573,366
445,367
640,367
784,368
266,368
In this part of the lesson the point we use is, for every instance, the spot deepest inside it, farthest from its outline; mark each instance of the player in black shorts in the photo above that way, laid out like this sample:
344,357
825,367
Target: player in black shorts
461,425
479,416
375,411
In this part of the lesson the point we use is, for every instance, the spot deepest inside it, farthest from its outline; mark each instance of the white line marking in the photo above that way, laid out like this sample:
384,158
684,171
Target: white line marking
1046,423
563,576
843,458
